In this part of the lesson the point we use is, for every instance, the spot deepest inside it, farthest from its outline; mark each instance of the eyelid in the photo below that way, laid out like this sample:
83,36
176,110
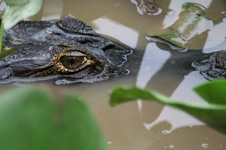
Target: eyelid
74,53
62,68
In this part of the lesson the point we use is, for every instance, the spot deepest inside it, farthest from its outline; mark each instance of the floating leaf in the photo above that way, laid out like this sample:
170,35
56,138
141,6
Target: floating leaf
17,12
195,29
212,114
31,119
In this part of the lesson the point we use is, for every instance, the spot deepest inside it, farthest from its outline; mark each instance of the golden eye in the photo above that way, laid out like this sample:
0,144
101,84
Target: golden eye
73,62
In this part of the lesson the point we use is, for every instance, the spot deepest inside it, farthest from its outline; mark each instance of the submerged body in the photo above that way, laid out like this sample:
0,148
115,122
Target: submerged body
66,49
212,66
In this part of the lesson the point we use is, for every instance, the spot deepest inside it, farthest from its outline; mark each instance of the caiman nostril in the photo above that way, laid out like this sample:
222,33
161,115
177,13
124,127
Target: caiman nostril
5,73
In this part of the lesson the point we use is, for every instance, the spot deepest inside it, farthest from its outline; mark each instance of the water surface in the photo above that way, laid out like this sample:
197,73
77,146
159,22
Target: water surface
143,125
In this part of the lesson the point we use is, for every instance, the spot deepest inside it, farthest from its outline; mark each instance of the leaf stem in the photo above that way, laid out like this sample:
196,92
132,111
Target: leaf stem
1,36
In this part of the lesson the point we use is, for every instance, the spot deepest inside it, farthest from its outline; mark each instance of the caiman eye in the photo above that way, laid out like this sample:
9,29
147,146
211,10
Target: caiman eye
73,62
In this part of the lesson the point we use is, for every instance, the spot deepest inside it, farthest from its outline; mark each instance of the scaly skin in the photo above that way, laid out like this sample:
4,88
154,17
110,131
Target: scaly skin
212,66
68,48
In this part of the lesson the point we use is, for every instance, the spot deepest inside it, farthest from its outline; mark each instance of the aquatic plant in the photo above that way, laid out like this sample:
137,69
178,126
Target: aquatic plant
16,11
34,118
213,113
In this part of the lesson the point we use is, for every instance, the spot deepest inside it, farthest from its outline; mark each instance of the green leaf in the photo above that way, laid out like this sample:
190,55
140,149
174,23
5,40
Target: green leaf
31,118
17,12
213,92
16,2
212,114
1,36
193,28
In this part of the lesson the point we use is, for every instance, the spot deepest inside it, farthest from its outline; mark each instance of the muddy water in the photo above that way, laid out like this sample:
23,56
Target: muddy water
143,125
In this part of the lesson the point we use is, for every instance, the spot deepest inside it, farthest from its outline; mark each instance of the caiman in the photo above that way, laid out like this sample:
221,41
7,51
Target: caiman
67,49
212,65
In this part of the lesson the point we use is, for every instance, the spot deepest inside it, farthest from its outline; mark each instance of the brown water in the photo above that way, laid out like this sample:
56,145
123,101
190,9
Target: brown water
143,125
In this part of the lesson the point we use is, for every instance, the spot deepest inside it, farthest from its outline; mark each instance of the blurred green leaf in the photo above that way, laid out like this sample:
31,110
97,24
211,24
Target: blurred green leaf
1,36
16,2
212,114
17,12
32,119
213,92
192,29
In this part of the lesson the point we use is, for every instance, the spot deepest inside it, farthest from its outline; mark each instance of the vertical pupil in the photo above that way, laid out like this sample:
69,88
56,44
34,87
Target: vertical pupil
72,62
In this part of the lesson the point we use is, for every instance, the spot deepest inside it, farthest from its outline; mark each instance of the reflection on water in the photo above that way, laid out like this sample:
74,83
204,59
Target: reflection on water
153,65
126,35
183,93
153,60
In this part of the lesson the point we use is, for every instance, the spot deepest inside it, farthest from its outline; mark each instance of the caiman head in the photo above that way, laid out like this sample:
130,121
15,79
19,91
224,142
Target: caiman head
68,50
